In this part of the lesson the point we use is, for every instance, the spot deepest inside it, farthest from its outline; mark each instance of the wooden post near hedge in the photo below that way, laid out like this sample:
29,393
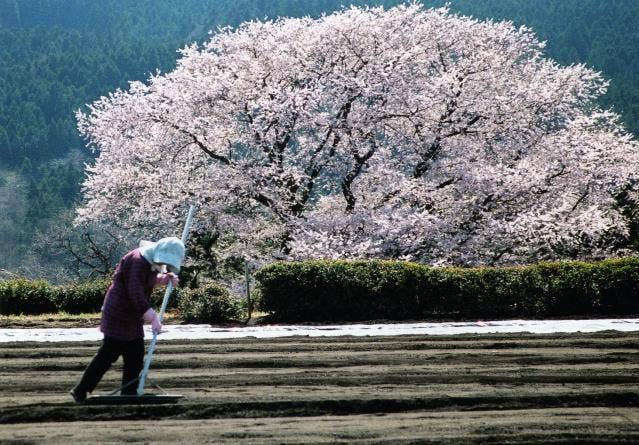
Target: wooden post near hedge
249,303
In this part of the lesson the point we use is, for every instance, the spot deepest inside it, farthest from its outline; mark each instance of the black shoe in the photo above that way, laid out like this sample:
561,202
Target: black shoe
78,396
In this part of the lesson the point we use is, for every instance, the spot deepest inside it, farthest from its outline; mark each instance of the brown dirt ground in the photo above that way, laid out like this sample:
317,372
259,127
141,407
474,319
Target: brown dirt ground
511,388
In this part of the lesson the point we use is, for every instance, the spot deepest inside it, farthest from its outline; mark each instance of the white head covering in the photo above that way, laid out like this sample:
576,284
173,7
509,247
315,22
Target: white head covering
169,251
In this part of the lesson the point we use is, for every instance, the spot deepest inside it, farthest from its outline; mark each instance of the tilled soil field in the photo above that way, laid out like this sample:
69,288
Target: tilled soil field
515,388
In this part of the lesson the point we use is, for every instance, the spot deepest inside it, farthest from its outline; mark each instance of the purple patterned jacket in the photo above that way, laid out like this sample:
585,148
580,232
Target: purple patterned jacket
127,298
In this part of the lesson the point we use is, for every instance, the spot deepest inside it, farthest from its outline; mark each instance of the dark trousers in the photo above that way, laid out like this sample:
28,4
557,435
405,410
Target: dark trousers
132,353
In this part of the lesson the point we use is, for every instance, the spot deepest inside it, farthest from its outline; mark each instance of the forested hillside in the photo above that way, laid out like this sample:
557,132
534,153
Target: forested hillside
57,55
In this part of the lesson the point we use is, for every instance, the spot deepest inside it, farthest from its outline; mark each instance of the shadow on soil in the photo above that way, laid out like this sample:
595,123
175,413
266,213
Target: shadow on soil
78,412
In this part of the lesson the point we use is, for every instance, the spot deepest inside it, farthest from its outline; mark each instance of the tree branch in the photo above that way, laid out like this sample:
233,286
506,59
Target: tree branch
360,161
196,141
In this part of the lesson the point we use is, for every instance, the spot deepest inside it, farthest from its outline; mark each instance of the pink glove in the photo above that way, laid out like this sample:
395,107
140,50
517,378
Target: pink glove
150,316
156,326
165,278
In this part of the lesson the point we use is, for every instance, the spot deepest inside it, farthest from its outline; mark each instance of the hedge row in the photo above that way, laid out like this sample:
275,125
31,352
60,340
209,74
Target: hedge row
207,304
30,297
369,290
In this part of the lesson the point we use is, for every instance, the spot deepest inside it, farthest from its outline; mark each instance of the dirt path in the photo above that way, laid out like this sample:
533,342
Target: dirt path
515,388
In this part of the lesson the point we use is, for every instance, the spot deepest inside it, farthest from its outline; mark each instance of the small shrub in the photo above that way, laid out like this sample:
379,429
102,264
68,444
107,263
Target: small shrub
157,296
209,303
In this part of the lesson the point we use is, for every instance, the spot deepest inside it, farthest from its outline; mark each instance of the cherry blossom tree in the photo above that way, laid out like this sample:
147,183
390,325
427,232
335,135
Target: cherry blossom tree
406,133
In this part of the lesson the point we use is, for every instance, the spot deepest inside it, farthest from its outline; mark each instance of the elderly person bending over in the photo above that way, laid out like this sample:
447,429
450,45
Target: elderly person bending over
126,306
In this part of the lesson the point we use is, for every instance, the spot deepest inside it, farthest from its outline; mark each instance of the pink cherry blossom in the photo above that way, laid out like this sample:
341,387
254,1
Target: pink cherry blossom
405,133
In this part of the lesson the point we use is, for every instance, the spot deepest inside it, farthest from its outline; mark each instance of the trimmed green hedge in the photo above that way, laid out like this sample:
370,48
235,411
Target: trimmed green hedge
23,296
207,304
81,297
368,290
